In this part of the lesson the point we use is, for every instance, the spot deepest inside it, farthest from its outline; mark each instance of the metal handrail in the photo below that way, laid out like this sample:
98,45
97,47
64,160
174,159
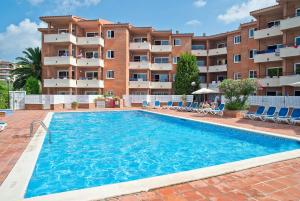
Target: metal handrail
43,125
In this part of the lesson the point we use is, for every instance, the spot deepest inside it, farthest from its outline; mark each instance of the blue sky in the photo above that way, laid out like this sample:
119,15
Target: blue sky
20,18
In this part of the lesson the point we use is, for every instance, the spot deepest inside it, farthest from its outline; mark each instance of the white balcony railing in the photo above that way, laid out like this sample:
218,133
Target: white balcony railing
139,65
199,53
90,41
63,60
290,23
289,79
59,83
90,84
290,52
90,62
217,51
140,46
269,82
202,69
267,57
161,85
161,66
269,32
139,84
59,38
217,68
161,48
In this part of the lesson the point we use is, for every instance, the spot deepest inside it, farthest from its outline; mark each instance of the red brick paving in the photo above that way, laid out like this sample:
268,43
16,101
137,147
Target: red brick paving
273,182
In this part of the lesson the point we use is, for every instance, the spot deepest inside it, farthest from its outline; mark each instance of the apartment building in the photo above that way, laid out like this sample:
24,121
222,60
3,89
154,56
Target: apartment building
83,56
278,56
5,70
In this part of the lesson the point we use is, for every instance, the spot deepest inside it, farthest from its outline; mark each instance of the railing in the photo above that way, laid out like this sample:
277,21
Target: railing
43,126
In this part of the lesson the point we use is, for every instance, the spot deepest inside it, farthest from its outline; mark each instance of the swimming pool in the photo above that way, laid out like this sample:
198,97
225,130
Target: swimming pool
100,148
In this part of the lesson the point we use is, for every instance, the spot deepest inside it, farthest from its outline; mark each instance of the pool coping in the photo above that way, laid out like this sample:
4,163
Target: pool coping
14,186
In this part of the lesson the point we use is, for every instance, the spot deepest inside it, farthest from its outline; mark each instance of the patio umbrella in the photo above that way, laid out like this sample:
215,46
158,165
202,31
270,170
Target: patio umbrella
205,91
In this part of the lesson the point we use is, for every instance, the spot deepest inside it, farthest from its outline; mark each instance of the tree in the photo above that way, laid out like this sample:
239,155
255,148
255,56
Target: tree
237,92
28,66
186,73
3,95
32,86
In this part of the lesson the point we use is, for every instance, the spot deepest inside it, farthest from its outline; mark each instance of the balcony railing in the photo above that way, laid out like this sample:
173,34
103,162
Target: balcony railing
90,83
199,53
161,48
217,68
60,38
140,46
60,60
161,85
139,65
269,32
290,50
202,69
161,66
88,41
90,62
217,51
267,56
60,83
290,23
139,84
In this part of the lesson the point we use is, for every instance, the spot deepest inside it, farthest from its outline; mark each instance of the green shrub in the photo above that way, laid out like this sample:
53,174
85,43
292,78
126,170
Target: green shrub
32,86
3,95
237,92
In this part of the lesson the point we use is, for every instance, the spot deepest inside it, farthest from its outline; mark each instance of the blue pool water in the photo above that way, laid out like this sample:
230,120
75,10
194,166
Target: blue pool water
94,149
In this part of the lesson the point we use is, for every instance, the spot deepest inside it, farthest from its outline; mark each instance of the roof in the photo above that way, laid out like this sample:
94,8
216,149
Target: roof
263,10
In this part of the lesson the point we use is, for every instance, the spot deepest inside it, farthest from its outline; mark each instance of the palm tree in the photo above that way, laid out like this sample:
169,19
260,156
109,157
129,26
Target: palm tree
28,66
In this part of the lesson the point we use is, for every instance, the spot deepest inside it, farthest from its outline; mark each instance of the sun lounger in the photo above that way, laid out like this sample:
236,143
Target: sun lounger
177,106
145,104
2,125
218,111
283,113
194,107
184,108
259,111
156,104
292,119
270,113
168,106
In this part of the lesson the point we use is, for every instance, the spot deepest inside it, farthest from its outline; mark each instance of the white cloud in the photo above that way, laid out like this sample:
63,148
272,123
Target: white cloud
193,23
200,3
18,37
70,5
35,2
241,11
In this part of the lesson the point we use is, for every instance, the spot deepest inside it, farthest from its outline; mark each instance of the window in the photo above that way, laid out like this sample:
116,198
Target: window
252,74
176,60
297,41
177,42
274,71
110,34
63,31
237,58
220,78
237,76
161,78
221,45
63,52
91,54
91,34
251,32
139,77
91,75
63,74
297,68
161,60
158,93
271,93
110,74
161,42
174,77
297,93
237,39
140,58
198,47
298,12
273,23
140,40
110,54
252,53
200,62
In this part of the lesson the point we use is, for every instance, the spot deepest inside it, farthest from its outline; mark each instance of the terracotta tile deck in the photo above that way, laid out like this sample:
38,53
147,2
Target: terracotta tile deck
273,182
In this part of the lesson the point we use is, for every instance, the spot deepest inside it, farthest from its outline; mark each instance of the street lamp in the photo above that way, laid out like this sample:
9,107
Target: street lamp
8,82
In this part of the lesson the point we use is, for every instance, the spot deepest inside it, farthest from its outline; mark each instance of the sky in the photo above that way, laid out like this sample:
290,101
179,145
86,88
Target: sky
20,18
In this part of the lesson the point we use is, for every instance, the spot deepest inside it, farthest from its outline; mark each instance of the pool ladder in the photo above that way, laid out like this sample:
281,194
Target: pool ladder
43,125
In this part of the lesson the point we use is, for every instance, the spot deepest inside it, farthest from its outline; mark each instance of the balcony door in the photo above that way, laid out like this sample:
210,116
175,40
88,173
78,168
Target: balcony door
64,74
139,77
274,72
91,75
297,41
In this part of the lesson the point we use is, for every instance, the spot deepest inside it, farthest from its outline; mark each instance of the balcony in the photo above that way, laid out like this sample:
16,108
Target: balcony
214,86
59,83
199,53
269,82
57,60
90,84
290,52
90,41
267,33
289,79
161,48
139,84
161,66
217,51
90,62
267,57
143,65
161,85
140,46
202,69
59,38
290,23
217,68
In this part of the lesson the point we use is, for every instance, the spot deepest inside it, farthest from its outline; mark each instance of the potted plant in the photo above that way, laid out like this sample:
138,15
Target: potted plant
236,93
74,105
